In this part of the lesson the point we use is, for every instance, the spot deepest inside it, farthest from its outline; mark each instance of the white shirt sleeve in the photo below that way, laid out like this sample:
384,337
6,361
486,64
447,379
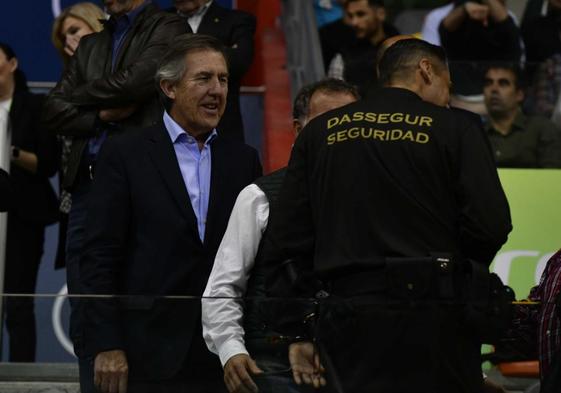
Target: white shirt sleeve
222,312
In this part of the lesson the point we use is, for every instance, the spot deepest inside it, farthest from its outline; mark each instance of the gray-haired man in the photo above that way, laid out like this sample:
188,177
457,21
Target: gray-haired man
160,204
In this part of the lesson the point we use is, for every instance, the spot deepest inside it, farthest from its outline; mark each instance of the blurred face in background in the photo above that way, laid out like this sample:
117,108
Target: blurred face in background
365,20
71,31
502,96
7,69
188,7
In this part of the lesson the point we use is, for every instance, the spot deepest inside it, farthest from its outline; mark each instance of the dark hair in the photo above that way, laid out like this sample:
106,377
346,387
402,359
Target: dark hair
398,59
514,68
301,105
371,3
172,64
20,80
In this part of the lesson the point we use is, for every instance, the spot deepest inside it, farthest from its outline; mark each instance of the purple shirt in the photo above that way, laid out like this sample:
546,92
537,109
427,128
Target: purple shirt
195,166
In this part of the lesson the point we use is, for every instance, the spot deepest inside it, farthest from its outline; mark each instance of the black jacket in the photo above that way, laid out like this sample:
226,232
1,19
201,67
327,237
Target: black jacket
392,176
142,239
88,83
33,198
235,29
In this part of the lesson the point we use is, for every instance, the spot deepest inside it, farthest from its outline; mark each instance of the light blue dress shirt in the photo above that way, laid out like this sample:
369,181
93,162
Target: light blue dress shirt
195,166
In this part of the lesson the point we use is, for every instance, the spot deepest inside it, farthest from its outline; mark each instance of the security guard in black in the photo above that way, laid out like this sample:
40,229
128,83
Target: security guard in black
398,176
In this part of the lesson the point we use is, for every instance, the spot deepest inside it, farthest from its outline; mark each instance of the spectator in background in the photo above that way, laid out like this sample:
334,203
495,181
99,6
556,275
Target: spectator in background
72,24
542,35
356,62
69,27
235,29
518,140
107,88
34,158
474,33
429,31
237,332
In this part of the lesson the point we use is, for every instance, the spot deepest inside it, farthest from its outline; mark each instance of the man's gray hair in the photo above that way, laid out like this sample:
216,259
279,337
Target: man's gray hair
172,66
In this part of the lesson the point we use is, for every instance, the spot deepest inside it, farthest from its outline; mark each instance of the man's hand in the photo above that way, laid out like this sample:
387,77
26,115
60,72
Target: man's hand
478,12
111,371
305,364
237,374
116,114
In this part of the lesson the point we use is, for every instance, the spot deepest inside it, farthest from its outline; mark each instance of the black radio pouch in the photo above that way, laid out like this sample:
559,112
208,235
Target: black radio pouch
489,309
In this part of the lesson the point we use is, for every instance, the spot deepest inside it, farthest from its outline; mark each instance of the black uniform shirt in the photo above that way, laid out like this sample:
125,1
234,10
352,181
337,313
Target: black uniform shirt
391,176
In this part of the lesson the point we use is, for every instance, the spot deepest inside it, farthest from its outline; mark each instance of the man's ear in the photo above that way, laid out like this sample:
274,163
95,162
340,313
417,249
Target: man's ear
427,70
381,14
519,95
296,126
168,88
13,64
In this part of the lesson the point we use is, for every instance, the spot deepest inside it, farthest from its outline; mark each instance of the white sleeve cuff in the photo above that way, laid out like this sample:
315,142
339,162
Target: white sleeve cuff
231,348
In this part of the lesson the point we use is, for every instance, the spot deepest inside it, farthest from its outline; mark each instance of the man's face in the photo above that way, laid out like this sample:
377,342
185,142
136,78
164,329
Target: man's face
120,7
7,69
199,98
323,101
364,19
438,91
500,91
188,7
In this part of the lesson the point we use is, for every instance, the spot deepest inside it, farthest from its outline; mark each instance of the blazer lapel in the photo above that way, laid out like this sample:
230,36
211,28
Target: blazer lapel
163,155
210,21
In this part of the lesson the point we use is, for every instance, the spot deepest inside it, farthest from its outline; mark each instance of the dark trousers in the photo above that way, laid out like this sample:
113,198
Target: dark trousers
74,244
417,348
24,248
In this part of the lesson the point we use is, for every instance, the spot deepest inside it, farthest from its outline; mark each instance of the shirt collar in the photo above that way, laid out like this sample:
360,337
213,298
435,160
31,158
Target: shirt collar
200,12
519,124
176,132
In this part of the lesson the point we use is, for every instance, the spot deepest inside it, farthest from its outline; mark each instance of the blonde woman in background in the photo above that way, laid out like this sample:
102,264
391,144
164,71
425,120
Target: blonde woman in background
69,27
72,24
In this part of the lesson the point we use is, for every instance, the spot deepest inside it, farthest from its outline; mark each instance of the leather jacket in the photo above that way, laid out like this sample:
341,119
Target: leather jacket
89,83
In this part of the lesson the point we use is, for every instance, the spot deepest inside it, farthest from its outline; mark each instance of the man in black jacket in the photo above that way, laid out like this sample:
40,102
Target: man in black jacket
235,29
107,88
159,207
373,193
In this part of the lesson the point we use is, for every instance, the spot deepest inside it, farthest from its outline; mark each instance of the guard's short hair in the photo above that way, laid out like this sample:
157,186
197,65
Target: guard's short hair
172,65
301,106
397,61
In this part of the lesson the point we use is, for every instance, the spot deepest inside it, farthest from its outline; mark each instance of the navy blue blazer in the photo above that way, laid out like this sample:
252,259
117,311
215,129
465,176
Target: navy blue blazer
142,239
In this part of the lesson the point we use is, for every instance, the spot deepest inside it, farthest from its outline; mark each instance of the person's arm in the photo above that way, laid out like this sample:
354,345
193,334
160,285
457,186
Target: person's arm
240,47
60,114
106,231
484,221
135,83
222,312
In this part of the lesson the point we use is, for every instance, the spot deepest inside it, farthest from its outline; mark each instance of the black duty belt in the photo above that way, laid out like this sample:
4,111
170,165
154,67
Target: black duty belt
434,277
